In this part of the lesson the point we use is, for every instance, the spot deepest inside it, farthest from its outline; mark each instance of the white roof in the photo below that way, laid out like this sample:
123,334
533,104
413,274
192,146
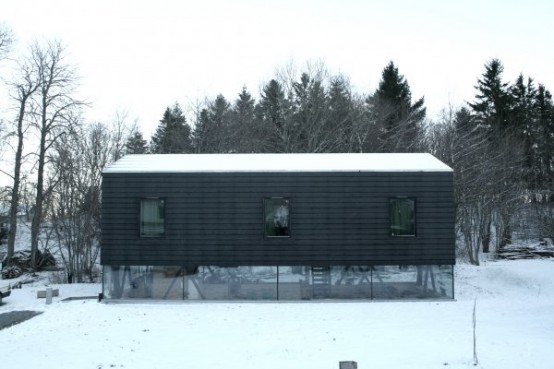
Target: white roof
220,163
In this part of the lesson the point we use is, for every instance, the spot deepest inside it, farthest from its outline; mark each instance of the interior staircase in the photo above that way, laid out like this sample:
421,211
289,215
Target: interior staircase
321,282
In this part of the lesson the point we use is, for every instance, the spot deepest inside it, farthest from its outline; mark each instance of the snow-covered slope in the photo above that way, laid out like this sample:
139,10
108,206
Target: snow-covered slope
515,325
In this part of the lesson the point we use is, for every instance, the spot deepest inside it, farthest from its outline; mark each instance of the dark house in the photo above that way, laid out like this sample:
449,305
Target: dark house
278,227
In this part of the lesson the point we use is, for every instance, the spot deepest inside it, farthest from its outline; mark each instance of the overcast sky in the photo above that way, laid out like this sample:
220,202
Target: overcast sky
142,56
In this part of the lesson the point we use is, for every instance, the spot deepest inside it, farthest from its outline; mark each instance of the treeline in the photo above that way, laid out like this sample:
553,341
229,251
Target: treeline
500,145
314,113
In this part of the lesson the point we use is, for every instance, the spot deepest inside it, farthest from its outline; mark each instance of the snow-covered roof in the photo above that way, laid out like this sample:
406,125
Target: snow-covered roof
220,163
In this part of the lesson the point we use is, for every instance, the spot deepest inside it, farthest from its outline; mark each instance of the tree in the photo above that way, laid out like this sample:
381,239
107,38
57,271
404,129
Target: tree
544,109
400,121
248,137
79,158
309,113
136,144
56,112
173,135
213,130
6,41
273,111
492,101
23,90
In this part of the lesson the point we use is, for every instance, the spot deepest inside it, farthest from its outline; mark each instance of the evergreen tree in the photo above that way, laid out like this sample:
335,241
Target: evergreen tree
136,144
212,133
492,102
544,142
173,135
310,125
341,113
400,120
244,123
274,112
523,124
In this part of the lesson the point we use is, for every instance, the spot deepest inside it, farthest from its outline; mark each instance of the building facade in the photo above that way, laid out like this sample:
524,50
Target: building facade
278,227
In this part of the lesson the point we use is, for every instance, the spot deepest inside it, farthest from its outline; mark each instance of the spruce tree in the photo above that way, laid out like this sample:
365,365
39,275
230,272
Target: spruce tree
400,120
136,144
244,123
274,112
340,114
173,135
212,132
492,101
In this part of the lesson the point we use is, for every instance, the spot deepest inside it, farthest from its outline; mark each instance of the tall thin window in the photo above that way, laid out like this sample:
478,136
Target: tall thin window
152,217
402,217
277,217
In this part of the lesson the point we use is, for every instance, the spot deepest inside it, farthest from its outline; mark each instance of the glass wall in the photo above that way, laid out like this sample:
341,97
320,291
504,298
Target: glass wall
294,283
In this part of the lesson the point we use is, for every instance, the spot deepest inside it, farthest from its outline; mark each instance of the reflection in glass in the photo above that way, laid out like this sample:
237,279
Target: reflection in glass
152,217
387,282
402,217
276,217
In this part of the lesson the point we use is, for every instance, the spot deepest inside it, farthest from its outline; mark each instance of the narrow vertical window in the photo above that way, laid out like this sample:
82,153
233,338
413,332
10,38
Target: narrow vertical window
402,217
277,217
152,218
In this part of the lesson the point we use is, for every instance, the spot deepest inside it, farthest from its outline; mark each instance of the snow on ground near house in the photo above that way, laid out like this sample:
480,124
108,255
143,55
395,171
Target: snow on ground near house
515,329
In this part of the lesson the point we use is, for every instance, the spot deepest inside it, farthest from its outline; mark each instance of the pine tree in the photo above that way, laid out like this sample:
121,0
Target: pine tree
274,112
173,135
212,132
400,120
545,138
341,113
310,125
492,102
244,123
136,144
523,124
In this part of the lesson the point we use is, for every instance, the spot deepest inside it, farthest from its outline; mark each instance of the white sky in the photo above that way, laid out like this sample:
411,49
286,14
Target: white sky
142,56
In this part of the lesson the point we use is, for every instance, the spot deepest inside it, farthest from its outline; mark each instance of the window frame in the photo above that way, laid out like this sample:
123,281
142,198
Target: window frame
414,221
264,219
141,231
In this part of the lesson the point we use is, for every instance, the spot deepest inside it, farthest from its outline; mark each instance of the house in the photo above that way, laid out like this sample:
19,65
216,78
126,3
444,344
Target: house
278,227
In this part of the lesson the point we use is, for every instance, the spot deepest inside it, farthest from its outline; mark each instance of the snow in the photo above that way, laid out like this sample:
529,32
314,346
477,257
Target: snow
198,163
515,325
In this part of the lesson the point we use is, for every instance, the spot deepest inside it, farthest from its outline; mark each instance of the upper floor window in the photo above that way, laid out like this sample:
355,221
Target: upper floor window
152,217
277,217
402,217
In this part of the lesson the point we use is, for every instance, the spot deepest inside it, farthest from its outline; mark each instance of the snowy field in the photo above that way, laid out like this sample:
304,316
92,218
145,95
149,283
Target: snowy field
515,329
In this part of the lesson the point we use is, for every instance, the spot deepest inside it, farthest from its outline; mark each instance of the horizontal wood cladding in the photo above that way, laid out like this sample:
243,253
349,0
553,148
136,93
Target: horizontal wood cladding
335,218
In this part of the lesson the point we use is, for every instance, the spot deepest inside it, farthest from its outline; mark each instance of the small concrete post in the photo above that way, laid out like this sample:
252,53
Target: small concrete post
348,365
48,295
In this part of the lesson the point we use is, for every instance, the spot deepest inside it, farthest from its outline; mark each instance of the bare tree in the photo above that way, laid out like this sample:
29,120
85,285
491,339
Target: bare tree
78,161
56,112
23,90
6,40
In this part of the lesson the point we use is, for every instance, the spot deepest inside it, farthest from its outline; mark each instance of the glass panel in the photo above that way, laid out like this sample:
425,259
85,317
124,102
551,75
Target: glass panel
240,283
167,283
351,282
412,282
402,217
123,282
283,283
277,218
152,216
295,283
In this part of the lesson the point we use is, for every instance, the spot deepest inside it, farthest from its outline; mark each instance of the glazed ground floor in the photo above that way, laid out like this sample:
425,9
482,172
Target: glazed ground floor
342,282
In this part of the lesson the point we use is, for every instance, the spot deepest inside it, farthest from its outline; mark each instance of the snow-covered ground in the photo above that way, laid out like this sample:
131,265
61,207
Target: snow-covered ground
515,329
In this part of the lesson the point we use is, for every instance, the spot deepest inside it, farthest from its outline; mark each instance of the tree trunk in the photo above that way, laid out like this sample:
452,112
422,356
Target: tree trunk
486,241
37,216
14,203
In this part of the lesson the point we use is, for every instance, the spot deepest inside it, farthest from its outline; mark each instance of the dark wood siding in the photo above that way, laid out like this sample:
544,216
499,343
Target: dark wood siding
336,219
